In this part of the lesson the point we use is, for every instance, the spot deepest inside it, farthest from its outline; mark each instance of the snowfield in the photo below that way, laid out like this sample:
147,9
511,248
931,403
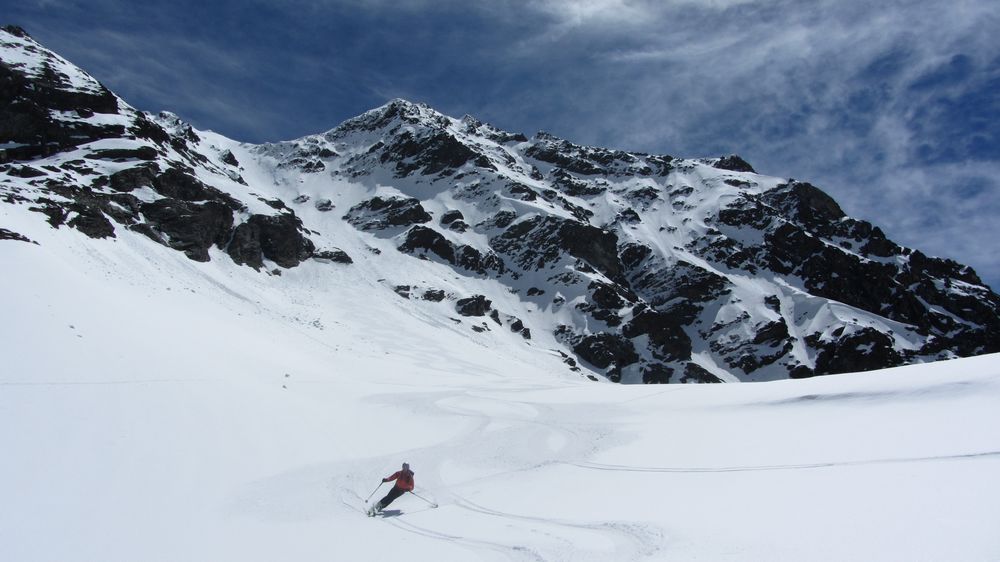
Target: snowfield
159,409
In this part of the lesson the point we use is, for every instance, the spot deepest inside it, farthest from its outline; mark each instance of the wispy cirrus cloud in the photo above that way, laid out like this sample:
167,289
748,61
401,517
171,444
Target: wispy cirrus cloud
893,108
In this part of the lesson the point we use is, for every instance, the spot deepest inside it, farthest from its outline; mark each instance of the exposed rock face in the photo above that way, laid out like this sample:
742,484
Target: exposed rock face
336,255
433,295
697,373
378,213
190,227
48,106
642,268
668,340
586,160
477,305
864,350
428,240
228,157
31,93
607,351
436,153
452,216
733,163
537,242
422,241
455,221
11,235
278,238
807,236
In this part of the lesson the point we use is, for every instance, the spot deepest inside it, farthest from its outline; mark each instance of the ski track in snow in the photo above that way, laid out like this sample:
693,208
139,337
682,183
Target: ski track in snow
622,468
632,540
507,552
523,420
296,494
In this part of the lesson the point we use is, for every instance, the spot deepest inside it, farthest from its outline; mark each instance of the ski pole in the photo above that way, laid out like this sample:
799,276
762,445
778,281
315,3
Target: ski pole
373,491
423,498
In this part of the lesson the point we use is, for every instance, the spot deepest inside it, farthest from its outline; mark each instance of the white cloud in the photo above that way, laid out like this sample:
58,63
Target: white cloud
950,210
575,13
817,90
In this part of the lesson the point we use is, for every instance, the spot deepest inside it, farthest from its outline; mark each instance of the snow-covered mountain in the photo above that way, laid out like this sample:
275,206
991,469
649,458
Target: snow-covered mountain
216,351
634,267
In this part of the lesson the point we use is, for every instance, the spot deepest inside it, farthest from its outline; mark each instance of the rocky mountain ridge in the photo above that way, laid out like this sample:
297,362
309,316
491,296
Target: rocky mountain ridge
635,267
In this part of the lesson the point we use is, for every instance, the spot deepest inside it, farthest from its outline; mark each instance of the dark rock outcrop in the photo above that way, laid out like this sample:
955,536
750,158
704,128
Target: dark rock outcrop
229,158
864,350
606,350
335,255
437,152
697,373
134,178
452,216
380,213
30,108
656,373
667,338
477,305
733,163
93,223
11,235
189,227
122,154
278,238
421,240
433,295
537,242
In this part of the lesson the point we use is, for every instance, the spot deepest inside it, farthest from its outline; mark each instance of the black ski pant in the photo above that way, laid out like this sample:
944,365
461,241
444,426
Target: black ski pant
390,497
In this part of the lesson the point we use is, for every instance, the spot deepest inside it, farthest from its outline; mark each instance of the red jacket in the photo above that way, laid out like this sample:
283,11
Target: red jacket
404,479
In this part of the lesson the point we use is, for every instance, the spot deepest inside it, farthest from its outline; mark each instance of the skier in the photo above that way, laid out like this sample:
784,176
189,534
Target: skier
404,483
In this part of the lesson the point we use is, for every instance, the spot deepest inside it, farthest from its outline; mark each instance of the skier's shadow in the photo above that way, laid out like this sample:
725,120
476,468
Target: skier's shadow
390,513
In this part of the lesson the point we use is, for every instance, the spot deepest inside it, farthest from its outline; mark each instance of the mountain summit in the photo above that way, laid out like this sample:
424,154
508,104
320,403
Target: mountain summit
628,266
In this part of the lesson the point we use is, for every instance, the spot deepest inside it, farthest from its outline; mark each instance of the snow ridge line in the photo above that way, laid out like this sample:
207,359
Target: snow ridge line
624,468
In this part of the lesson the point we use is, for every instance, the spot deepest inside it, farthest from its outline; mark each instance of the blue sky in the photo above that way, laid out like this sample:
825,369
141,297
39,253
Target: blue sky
893,109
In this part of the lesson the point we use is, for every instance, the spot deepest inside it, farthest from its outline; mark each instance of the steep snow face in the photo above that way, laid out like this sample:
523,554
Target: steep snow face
631,267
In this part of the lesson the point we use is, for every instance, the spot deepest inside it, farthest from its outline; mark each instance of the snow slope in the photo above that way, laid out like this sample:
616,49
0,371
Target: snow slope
160,409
